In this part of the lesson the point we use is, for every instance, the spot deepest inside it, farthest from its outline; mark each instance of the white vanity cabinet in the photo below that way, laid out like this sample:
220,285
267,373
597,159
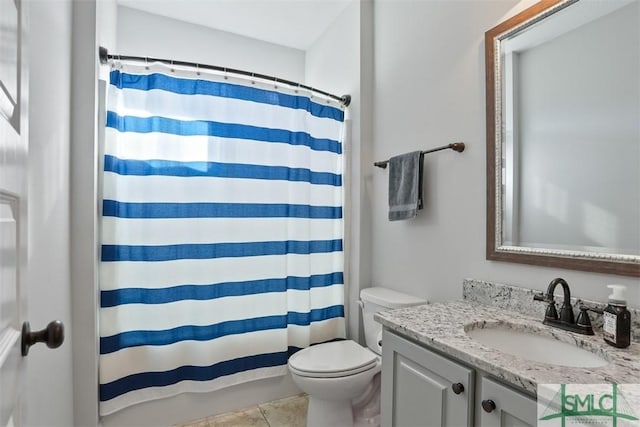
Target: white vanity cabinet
422,388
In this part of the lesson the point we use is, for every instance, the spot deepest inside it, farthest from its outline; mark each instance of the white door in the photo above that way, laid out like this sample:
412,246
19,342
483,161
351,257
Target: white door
13,216
13,210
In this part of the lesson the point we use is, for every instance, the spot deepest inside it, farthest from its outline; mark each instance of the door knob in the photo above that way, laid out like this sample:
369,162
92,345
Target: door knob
52,335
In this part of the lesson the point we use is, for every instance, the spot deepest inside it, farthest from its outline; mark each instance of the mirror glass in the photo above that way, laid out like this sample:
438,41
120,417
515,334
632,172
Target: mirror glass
563,137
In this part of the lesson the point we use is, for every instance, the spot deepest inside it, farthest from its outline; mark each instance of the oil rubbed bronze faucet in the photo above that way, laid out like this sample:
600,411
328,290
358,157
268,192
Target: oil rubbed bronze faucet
565,320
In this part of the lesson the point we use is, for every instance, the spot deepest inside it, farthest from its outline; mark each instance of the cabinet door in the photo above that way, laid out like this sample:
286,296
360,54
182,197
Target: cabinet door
512,408
417,387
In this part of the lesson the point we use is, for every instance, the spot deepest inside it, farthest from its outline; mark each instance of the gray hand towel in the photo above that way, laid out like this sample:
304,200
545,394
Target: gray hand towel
405,186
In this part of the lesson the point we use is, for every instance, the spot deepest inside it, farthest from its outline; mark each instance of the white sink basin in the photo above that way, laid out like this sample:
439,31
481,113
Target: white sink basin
535,347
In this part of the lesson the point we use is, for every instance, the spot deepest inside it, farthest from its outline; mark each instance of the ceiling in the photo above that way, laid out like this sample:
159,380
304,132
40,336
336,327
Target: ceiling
291,23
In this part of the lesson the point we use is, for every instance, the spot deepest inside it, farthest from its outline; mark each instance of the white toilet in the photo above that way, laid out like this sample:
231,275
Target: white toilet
339,373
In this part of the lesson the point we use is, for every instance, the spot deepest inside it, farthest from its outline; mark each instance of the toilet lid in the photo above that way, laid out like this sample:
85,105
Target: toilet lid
337,358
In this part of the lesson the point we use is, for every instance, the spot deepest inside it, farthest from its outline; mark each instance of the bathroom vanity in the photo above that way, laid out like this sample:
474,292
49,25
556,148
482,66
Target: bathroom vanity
469,364
422,387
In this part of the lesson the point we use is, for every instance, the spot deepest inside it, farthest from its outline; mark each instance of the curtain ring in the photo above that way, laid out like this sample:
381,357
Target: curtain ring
252,78
224,70
275,80
146,62
172,70
197,69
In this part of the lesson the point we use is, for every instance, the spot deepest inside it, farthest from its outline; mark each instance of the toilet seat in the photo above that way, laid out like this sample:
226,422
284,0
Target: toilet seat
333,360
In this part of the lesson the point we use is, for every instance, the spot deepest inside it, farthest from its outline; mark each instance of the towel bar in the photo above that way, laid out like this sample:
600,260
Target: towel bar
455,146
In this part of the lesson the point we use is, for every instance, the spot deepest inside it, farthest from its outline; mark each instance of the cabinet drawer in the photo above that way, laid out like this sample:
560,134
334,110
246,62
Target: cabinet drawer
423,388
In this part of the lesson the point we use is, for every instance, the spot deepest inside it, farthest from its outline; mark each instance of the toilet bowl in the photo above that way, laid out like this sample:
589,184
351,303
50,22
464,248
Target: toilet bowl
332,375
337,374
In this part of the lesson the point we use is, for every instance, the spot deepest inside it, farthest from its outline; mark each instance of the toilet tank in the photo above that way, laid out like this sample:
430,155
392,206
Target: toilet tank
379,299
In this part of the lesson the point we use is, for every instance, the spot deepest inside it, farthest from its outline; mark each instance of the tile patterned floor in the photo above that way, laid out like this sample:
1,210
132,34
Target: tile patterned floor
287,412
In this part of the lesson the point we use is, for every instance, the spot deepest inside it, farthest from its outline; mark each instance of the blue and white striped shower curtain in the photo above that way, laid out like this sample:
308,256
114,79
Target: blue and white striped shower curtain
222,232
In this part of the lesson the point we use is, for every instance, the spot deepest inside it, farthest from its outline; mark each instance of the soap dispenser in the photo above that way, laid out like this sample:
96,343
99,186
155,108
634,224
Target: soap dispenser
617,319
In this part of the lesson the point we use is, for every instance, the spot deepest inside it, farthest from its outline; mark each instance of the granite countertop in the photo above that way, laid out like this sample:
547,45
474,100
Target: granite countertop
442,326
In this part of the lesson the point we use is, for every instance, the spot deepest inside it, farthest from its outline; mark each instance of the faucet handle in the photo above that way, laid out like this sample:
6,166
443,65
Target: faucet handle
543,297
590,308
584,321
551,313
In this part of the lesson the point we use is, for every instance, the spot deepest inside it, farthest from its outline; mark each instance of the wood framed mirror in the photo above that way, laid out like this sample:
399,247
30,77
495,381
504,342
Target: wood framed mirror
563,136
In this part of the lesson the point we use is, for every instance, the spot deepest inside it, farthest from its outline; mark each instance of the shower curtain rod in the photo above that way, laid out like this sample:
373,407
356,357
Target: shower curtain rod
105,56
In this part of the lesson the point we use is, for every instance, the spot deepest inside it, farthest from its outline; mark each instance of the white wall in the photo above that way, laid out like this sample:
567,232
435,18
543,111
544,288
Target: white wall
144,34
83,212
49,372
335,63
429,91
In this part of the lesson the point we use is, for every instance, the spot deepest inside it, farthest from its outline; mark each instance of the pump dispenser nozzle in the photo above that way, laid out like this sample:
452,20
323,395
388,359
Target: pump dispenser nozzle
617,294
